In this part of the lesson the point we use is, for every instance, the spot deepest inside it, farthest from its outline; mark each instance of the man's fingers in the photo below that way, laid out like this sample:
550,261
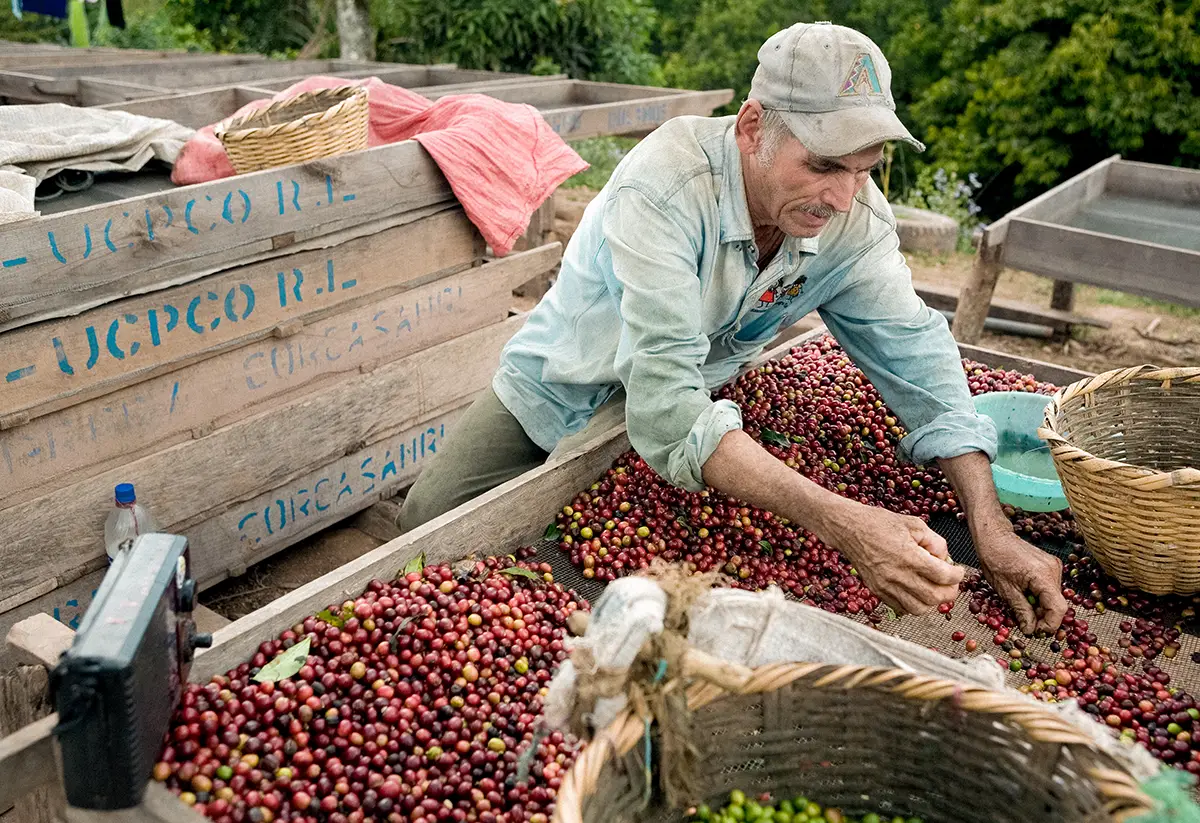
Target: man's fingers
930,540
938,572
1052,602
1020,606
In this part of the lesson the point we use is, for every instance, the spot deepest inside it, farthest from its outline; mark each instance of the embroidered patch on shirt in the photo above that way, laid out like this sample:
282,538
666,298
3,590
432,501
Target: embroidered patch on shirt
782,296
862,79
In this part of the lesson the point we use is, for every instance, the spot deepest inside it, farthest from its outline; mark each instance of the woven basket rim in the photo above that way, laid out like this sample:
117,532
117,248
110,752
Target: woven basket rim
1049,431
235,129
1116,786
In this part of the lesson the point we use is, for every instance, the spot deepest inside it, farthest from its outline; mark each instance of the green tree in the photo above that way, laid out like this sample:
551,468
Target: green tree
1033,91
273,27
586,39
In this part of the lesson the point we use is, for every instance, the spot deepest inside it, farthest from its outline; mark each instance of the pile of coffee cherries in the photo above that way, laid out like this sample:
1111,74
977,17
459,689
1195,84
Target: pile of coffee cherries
741,809
413,703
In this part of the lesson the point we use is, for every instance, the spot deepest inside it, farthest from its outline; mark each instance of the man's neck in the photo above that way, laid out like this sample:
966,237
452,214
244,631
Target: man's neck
767,236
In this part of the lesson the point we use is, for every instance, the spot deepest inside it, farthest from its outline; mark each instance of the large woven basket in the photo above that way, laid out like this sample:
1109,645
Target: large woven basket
311,125
1126,445
863,740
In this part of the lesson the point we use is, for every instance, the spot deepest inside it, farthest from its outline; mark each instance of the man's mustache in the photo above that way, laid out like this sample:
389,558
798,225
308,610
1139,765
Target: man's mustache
822,211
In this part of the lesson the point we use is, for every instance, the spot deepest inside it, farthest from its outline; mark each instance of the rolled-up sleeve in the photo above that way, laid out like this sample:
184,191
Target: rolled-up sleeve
673,423
907,352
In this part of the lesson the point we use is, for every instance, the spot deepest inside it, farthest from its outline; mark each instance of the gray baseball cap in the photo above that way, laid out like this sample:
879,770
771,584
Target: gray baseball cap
832,85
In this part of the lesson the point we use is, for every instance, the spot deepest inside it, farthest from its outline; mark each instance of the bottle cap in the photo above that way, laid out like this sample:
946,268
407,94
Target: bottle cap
124,493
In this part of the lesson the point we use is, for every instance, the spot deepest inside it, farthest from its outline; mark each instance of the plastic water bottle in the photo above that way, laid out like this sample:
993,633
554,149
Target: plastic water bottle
126,521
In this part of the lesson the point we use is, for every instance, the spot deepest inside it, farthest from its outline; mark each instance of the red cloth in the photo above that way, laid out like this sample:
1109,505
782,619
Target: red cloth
501,159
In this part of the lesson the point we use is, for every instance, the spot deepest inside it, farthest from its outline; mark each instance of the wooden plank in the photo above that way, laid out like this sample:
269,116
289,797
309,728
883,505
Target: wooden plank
208,621
59,265
27,760
52,365
195,109
1054,373
95,90
946,299
39,640
632,117
1154,182
1055,204
314,502
145,417
379,520
27,87
1080,256
172,76
51,537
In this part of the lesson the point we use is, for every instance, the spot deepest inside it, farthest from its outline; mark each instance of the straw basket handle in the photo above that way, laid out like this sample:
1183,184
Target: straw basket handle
1062,450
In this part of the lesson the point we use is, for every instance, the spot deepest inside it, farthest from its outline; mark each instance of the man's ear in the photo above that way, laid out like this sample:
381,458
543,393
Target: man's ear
748,128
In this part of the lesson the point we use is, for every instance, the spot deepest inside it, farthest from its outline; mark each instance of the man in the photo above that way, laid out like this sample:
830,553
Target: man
712,235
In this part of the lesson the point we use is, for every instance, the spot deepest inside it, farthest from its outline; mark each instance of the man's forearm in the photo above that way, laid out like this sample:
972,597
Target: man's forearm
743,469
971,476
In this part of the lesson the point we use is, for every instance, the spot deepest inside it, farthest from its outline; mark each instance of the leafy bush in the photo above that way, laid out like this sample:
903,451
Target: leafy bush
1034,91
586,39
602,154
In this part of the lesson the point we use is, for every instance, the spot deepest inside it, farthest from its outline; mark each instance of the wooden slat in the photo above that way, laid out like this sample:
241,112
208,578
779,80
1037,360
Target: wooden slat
56,364
1055,204
95,90
1054,373
27,760
59,265
1154,182
95,435
631,117
946,299
1080,256
194,109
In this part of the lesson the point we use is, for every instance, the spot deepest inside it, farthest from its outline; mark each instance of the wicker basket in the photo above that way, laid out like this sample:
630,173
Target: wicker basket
1126,445
864,740
313,124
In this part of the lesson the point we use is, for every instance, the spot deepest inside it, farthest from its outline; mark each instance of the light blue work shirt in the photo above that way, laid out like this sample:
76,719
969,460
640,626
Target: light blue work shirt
660,292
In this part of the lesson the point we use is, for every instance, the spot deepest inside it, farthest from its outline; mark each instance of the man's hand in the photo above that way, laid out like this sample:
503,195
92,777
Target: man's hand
1015,567
901,559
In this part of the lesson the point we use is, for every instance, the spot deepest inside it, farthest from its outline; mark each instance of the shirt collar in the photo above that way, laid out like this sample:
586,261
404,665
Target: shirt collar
735,212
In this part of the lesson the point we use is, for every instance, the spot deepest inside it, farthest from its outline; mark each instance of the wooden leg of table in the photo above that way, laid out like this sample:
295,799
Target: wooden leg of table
976,294
1063,296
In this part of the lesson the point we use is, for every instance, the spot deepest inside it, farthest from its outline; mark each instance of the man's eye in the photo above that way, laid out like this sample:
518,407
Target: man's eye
820,169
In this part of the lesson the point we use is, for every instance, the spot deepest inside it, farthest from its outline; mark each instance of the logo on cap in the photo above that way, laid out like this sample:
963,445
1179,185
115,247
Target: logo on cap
862,79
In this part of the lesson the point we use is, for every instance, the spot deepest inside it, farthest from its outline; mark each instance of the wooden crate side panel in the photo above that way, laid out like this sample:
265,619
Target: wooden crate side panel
635,116
53,536
89,437
1080,256
59,363
1054,205
61,264
94,91
194,109
1154,182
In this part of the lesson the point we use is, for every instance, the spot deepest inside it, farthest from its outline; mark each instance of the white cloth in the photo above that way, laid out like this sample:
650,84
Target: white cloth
39,141
759,628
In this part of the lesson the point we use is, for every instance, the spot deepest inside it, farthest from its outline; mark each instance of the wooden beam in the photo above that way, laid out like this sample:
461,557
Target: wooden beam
634,116
95,90
943,298
1080,256
27,760
1054,373
195,481
194,109
1154,182
1063,297
977,292
294,355
54,365
39,640
59,265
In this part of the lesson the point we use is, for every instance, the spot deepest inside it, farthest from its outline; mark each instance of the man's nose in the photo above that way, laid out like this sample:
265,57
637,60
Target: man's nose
840,193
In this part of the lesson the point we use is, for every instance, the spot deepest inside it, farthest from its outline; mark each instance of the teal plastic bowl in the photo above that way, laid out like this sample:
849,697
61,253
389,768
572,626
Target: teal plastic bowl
1023,470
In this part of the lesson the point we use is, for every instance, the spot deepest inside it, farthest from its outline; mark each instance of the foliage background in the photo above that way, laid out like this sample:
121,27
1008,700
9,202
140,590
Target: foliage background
1016,94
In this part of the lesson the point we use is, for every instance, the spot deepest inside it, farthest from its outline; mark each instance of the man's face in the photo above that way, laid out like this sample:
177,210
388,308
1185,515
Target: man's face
799,191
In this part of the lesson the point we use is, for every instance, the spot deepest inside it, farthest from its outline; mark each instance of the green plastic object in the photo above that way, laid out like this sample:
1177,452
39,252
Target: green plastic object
1023,470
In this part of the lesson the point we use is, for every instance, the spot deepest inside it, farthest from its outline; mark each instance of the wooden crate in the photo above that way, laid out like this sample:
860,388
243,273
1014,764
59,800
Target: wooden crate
1132,227
512,514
